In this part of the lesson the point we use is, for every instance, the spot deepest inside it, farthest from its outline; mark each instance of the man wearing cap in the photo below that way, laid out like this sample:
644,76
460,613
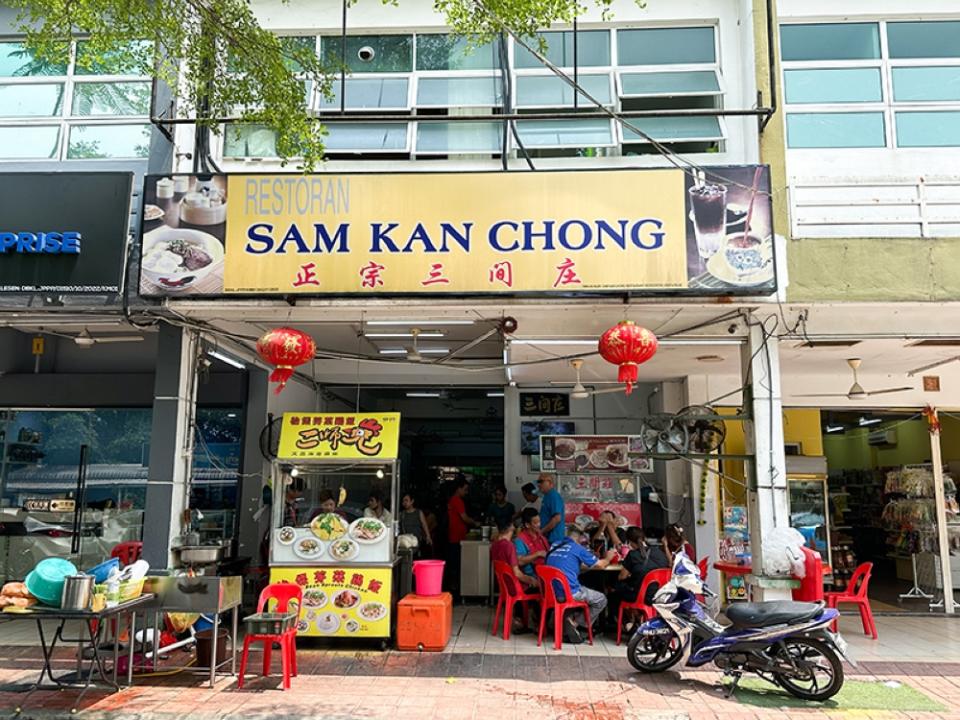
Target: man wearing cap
551,509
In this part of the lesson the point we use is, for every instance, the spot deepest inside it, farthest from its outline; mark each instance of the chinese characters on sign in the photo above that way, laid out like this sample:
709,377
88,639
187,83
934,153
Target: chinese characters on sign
544,404
312,435
341,601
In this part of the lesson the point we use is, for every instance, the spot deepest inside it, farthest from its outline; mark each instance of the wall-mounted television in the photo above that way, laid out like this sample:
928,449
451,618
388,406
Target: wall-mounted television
530,432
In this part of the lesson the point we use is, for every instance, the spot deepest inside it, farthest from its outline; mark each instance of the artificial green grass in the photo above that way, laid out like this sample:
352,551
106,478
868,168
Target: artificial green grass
855,695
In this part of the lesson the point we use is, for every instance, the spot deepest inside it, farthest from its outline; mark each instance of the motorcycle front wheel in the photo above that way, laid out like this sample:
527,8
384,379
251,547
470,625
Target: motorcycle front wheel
654,653
819,673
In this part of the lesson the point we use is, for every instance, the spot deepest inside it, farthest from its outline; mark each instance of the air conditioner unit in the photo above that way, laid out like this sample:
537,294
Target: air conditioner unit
882,437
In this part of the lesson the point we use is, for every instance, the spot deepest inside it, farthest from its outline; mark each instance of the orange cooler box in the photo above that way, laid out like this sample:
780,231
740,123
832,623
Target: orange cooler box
424,623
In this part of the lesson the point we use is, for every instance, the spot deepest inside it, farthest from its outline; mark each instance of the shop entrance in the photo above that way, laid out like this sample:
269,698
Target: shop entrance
880,505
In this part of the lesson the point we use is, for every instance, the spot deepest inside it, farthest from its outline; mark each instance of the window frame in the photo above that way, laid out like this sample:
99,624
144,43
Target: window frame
888,105
66,120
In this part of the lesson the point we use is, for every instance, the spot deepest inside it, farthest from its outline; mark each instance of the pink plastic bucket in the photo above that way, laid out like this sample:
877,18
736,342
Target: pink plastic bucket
429,576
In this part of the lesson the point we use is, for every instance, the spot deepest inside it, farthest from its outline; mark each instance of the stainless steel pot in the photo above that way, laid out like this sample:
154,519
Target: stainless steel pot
77,592
200,554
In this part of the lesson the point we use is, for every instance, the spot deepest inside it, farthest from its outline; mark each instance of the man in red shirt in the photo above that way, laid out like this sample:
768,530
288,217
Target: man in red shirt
457,524
503,550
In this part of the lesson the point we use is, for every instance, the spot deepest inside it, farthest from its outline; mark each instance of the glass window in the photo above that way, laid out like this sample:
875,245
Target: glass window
666,46
836,130
833,86
383,137
459,138
593,49
31,100
87,142
552,91
128,98
459,92
297,43
449,52
673,129
17,61
132,59
372,53
830,41
243,141
29,142
926,84
924,39
928,129
565,133
370,94
668,84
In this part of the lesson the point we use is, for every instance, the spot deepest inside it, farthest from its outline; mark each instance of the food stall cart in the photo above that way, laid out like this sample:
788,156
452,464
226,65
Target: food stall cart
343,561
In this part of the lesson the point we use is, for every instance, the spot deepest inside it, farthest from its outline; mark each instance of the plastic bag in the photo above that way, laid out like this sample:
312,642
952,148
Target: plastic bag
782,554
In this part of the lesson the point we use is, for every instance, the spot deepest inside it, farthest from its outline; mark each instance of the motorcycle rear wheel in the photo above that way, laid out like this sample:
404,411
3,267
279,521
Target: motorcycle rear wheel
820,670
654,653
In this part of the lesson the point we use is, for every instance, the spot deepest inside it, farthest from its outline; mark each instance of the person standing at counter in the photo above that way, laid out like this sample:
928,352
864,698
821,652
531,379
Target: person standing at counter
375,508
458,522
551,509
413,522
500,511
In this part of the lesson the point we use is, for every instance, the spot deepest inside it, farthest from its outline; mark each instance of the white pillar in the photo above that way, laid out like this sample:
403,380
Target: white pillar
767,497
942,539
707,530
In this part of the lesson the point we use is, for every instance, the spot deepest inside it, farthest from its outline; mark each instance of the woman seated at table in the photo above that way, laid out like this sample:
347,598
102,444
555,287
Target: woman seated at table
604,535
641,559
675,541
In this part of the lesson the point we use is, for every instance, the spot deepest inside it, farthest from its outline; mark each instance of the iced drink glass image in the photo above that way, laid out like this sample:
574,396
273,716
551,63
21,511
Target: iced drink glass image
709,203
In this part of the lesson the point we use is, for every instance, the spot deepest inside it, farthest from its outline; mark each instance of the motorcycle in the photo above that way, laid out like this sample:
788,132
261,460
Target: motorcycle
786,643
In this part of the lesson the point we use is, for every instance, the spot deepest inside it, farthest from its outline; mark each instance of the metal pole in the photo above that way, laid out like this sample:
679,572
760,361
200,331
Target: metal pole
942,540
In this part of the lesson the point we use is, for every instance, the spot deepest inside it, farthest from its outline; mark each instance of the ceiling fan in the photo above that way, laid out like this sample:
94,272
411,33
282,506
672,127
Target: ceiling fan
856,391
85,340
579,392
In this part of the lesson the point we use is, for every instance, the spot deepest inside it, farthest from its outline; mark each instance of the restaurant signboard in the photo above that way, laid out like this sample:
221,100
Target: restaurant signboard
339,436
663,231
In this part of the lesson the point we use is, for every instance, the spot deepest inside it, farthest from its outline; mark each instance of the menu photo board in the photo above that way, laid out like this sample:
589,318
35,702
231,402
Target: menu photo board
330,538
339,436
584,514
653,231
341,601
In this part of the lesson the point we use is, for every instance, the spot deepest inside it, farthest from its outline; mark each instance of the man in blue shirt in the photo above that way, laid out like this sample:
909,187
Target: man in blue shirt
551,509
570,557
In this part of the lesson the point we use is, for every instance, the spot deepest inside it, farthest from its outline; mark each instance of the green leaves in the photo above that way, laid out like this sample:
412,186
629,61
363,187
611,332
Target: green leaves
224,65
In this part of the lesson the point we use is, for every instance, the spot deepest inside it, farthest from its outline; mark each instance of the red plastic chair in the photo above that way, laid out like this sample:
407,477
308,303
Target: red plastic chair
127,553
704,566
511,593
856,594
659,578
548,576
284,594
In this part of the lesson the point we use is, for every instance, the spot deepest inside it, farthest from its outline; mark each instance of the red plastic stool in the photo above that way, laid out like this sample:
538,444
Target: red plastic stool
284,594
127,553
859,582
511,593
549,576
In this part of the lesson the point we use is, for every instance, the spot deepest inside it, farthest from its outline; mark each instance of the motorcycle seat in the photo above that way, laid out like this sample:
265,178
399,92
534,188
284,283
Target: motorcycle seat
766,614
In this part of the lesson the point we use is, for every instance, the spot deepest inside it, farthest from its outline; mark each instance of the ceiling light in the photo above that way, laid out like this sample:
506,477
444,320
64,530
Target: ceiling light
835,428
434,351
231,415
294,472
423,394
423,335
864,421
84,339
498,393
554,341
393,351
709,359
380,473
233,362
416,323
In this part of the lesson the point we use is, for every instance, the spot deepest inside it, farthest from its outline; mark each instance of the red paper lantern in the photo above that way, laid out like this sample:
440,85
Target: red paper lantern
628,346
286,348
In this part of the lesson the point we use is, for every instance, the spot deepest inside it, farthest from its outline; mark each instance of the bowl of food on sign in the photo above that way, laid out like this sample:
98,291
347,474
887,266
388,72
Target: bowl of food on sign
308,548
328,623
622,521
344,549
303,626
176,259
372,611
581,460
286,535
598,458
368,531
583,521
564,448
351,626
329,526
346,599
314,598
617,455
